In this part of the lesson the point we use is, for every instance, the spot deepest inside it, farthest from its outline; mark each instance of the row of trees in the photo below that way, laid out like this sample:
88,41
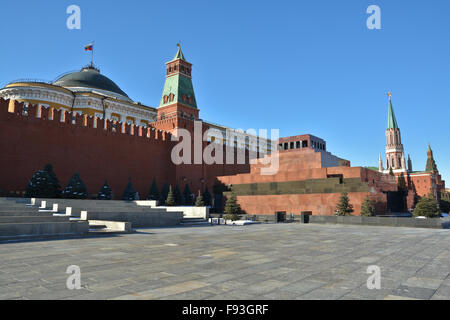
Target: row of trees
426,206
345,208
45,184
177,197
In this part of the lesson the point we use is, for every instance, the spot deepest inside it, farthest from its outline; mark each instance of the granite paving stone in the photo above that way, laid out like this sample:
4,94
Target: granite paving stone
266,261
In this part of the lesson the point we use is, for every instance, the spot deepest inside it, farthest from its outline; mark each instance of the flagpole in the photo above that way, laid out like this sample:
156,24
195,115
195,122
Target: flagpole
92,55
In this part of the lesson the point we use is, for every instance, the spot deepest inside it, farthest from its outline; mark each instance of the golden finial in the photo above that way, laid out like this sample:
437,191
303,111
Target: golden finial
179,44
389,95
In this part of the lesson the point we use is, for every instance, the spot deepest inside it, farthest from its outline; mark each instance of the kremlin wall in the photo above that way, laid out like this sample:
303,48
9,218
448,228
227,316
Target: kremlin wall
98,149
101,138
307,179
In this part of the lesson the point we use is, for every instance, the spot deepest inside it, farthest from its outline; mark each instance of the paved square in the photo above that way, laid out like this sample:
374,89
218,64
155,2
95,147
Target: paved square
284,261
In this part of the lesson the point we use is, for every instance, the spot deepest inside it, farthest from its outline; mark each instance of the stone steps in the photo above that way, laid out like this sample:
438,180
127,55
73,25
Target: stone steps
26,214
194,222
24,230
13,210
20,222
28,219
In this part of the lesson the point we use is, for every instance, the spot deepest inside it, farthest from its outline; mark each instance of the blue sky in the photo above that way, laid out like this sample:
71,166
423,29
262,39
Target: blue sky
298,66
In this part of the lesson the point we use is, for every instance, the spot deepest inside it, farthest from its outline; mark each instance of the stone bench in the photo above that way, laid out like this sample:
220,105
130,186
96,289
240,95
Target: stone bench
157,218
112,225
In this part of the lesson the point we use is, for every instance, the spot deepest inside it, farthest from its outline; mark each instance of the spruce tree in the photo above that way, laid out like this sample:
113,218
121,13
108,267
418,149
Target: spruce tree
207,197
130,194
368,208
187,194
164,193
170,202
43,185
154,192
445,206
105,192
75,188
344,208
178,196
232,208
49,169
199,201
427,207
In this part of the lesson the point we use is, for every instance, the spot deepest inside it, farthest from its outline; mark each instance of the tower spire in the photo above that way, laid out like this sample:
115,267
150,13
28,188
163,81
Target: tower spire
179,54
392,121
431,163
410,168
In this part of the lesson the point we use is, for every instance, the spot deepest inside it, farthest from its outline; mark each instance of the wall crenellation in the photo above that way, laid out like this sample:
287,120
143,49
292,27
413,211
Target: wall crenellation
75,120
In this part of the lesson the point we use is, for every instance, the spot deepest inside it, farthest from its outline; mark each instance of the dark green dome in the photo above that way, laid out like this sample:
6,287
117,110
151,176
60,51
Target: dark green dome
89,78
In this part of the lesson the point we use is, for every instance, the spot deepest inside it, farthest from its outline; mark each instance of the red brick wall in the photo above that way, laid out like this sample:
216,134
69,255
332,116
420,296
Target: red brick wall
28,143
